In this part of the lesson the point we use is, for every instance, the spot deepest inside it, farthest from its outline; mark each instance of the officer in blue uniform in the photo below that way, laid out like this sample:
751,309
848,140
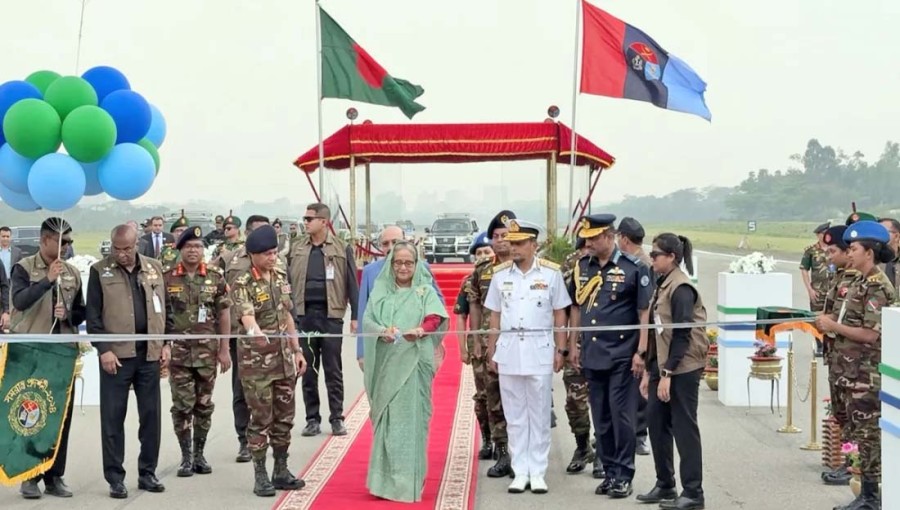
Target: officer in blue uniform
611,288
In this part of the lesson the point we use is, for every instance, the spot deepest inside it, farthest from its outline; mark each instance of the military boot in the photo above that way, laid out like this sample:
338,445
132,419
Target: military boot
487,448
503,466
870,498
261,485
282,478
583,454
243,453
200,465
186,468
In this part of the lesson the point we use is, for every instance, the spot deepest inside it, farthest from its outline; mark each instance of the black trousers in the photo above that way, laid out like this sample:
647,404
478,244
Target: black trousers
613,395
58,469
641,423
324,352
114,389
677,419
238,404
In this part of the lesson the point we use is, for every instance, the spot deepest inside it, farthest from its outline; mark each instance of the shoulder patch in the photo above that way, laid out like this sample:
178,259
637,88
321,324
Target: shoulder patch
503,265
215,269
645,280
548,263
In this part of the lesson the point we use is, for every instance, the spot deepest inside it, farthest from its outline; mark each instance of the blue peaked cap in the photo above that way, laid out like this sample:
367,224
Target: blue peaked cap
866,231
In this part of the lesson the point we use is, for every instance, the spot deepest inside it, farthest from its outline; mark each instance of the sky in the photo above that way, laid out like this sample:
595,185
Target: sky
236,81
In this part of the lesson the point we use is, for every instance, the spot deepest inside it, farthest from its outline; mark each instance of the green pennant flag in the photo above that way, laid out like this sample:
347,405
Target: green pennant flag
349,72
35,383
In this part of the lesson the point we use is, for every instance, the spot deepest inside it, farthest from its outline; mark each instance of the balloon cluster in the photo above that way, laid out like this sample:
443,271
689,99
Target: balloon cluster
110,135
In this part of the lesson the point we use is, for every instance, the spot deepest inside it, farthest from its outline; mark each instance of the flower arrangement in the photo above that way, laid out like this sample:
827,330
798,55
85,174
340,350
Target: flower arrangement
764,350
208,253
851,453
712,362
712,334
755,263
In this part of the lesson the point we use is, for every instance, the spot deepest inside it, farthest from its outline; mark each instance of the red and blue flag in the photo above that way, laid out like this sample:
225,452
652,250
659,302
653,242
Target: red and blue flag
619,60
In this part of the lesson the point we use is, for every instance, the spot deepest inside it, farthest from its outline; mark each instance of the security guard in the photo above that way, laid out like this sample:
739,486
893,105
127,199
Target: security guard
857,327
611,288
232,230
171,254
527,293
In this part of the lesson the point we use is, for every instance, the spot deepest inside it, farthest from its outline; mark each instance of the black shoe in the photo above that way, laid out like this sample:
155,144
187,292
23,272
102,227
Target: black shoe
642,447
683,503
149,483
118,491
312,429
338,428
200,465
186,466
598,472
579,461
657,495
30,490
839,476
282,478
487,447
57,487
243,453
620,489
503,466
603,488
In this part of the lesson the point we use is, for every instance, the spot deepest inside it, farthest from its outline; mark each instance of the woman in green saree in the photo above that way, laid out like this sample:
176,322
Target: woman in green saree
409,319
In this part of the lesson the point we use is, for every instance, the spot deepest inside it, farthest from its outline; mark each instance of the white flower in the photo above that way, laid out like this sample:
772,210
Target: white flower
755,263
208,252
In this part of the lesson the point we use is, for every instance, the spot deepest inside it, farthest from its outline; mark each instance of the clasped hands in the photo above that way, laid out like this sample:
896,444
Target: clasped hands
411,336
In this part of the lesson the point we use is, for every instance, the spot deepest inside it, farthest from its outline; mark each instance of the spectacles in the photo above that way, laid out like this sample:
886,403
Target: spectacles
129,249
308,219
404,263
655,253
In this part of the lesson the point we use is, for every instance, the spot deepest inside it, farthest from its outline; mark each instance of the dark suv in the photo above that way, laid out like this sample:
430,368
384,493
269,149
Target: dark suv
27,239
450,237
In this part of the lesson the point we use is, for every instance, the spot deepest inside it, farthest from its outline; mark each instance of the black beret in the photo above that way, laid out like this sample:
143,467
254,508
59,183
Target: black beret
500,221
834,236
631,228
188,235
822,228
261,240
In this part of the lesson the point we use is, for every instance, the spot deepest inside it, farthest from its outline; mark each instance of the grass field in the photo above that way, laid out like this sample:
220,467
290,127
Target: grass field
781,237
88,243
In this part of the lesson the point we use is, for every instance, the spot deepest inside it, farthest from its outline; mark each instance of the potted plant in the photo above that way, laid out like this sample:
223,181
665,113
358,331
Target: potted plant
851,454
764,362
711,372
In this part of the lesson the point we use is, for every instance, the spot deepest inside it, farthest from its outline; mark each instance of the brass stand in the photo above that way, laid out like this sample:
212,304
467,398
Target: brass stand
813,444
789,427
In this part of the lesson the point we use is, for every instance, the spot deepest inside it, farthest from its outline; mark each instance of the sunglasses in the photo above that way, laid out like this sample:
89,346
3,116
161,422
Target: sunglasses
308,219
656,253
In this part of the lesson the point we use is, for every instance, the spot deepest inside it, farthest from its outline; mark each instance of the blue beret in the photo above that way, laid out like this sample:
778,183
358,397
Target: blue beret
188,235
500,221
261,240
480,242
595,224
834,236
866,231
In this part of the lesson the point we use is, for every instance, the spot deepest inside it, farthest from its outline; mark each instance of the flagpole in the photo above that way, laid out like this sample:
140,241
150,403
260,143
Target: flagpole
319,104
574,106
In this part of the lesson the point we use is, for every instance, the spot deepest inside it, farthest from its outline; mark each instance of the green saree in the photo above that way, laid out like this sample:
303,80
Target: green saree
398,380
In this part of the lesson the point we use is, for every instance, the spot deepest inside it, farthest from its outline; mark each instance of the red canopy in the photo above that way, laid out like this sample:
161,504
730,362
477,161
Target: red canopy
452,143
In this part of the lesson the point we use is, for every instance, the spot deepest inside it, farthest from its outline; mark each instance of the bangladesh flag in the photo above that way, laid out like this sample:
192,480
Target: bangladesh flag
35,382
349,72
767,332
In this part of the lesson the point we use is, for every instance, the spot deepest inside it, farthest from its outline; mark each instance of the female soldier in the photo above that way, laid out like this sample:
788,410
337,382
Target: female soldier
675,363
857,329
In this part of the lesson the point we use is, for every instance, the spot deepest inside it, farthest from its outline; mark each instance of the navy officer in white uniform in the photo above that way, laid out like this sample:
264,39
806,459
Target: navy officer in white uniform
527,293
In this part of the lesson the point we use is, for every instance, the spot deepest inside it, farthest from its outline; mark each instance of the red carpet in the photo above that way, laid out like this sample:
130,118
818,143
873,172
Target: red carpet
336,475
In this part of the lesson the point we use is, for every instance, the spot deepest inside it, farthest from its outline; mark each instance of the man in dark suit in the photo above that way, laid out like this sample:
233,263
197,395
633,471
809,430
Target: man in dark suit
10,255
156,239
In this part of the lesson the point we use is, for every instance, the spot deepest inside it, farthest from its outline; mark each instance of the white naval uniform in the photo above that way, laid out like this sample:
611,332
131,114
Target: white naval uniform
525,360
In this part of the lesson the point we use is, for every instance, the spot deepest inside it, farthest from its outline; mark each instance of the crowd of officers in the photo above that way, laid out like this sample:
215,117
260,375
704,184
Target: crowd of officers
851,272
608,373
267,287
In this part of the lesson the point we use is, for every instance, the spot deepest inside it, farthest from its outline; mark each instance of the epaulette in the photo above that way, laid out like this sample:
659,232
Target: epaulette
244,278
810,247
633,258
503,265
215,269
549,264
168,268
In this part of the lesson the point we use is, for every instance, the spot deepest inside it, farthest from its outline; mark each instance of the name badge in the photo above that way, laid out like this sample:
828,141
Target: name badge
201,315
658,321
329,272
157,305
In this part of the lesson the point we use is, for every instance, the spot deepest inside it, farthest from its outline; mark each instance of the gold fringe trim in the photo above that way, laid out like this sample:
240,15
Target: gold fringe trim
590,288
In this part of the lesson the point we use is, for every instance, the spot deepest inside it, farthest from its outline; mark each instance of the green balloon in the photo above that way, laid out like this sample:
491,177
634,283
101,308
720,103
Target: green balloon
88,133
68,93
32,128
154,152
42,79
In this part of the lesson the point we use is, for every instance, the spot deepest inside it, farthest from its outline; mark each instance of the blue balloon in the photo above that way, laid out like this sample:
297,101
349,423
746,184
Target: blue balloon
127,172
157,132
14,169
105,81
92,180
18,201
11,93
131,112
56,182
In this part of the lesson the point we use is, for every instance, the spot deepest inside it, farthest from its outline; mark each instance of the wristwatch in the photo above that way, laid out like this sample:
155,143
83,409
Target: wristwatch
665,373
564,352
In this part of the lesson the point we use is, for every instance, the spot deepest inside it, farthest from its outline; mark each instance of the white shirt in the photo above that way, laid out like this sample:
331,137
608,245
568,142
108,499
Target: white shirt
526,301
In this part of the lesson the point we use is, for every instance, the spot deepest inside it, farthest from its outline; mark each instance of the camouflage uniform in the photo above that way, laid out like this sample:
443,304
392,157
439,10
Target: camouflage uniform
268,373
192,372
476,288
855,366
224,252
576,386
815,261
169,257
834,300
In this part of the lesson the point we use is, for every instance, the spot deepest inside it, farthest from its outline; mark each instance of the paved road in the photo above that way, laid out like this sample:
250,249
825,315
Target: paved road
747,464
